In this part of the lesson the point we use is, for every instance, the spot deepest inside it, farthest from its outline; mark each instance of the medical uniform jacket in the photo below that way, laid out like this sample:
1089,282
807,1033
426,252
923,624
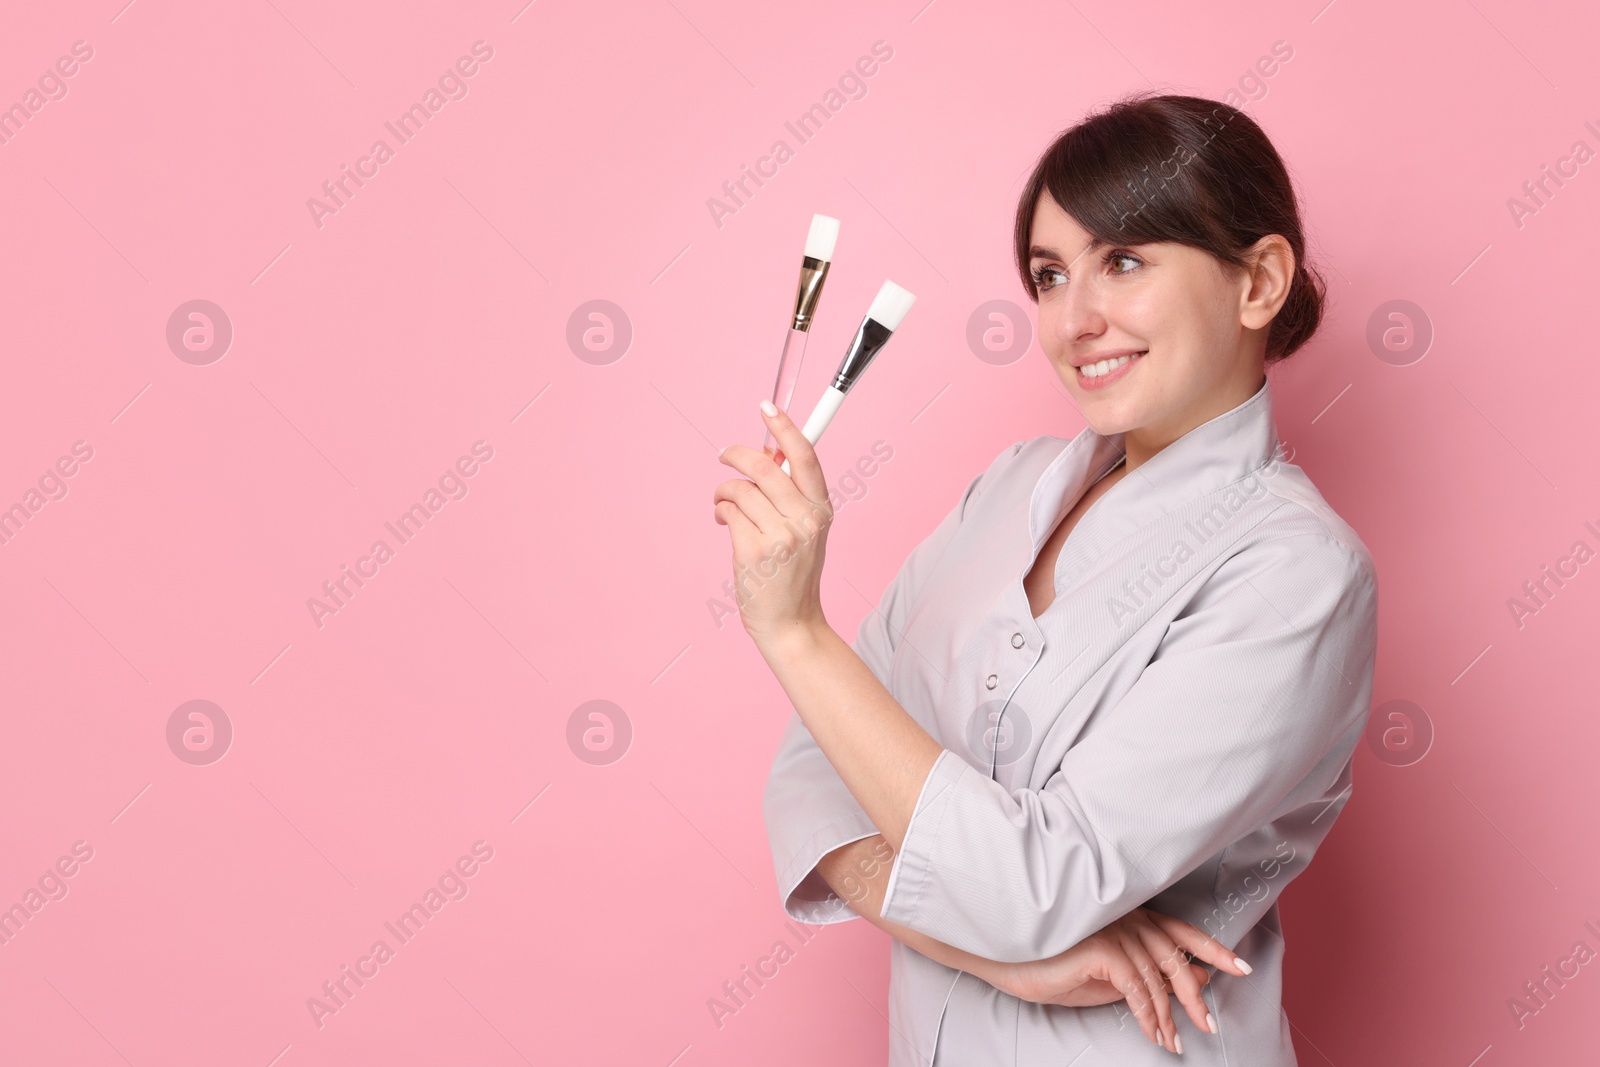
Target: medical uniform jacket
1175,731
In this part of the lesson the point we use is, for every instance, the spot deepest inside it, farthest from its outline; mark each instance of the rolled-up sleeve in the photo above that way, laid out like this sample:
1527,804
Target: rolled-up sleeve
808,809
1257,692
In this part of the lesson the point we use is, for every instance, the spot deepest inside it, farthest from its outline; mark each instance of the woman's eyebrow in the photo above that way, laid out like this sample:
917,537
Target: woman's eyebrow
1040,252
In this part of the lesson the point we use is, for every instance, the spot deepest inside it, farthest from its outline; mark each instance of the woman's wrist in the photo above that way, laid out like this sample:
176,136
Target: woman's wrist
1001,975
794,642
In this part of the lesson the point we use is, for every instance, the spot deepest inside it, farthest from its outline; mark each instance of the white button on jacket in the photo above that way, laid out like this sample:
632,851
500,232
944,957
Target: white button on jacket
1175,731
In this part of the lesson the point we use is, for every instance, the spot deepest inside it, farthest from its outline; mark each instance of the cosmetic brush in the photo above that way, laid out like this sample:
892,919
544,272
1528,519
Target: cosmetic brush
820,242
888,310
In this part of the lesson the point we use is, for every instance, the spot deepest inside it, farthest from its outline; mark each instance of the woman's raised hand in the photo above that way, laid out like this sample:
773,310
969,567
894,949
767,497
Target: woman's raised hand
1139,958
779,526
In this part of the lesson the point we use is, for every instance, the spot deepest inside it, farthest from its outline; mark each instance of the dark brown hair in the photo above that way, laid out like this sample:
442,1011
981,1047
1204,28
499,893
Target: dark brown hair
1198,172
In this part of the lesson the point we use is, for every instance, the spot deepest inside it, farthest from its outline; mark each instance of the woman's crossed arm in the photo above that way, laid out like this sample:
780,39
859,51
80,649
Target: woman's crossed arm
1137,958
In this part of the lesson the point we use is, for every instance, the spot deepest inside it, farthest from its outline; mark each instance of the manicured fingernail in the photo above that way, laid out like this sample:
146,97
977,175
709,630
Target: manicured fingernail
1211,1023
1159,1040
1242,965
767,408
1177,1043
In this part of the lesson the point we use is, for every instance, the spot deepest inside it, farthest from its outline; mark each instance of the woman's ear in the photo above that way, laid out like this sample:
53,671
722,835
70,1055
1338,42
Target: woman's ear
1270,276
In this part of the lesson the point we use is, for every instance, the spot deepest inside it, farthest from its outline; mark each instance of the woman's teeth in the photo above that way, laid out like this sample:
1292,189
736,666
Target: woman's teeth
1105,366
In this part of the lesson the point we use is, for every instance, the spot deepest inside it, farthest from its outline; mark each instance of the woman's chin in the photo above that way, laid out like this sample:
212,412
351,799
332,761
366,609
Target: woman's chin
1108,414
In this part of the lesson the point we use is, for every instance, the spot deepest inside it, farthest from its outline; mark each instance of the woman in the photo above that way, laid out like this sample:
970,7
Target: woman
1106,710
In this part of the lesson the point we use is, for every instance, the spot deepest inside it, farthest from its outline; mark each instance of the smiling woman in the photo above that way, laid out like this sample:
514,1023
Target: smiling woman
1053,868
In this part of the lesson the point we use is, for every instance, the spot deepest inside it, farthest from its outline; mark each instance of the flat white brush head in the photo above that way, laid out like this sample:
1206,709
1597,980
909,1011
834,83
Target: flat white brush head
823,236
889,307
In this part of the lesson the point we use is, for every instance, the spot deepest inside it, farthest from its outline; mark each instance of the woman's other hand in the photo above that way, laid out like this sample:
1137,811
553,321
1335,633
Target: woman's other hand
779,524
1140,958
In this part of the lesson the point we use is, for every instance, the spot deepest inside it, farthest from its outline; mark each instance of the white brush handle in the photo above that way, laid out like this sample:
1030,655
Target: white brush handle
821,415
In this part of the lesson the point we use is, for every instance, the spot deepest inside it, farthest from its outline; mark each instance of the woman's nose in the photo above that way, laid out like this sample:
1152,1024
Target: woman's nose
1078,313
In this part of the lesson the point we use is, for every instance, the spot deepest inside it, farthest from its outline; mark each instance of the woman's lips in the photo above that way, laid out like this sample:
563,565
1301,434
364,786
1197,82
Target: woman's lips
1106,380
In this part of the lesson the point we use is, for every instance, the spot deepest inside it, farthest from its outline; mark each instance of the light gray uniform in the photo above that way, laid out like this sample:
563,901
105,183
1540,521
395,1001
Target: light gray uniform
1175,731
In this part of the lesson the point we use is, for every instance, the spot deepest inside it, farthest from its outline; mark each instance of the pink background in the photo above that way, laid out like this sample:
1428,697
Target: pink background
369,353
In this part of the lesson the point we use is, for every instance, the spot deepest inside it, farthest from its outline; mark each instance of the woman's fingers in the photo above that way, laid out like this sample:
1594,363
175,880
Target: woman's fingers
1156,985
1179,972
793,492
757,498
770,511
751,502
1146,955
805,468
1199,943
1125,976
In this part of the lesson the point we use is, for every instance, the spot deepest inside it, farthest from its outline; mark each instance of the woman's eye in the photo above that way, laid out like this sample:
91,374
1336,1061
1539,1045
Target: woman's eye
1041,274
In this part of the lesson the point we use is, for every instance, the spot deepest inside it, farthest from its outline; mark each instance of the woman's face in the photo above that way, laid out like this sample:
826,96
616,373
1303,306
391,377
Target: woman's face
1201,335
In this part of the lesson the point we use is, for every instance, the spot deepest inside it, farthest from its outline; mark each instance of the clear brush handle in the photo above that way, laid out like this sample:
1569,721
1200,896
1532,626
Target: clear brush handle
794,353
